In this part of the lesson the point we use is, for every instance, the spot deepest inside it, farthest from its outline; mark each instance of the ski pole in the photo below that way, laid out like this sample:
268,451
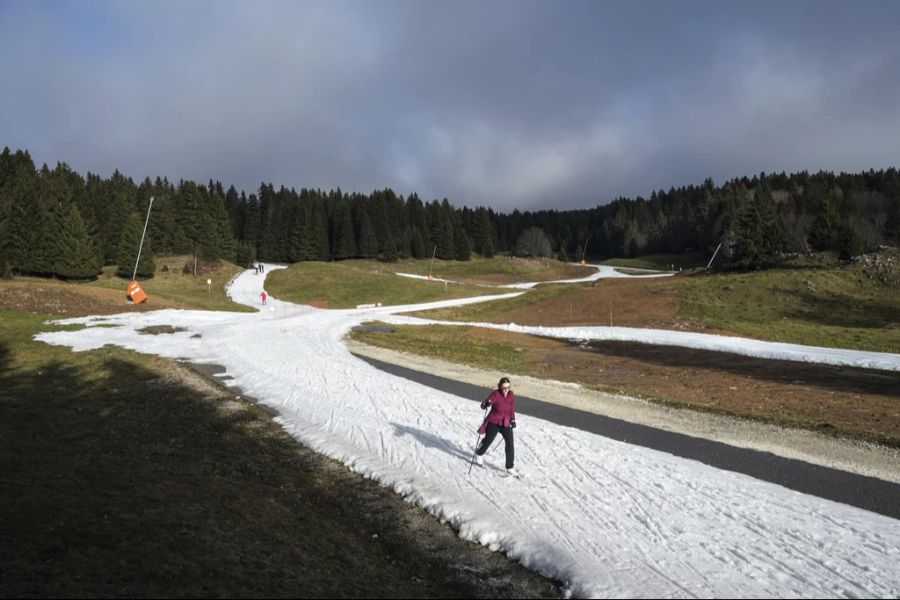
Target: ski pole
475,453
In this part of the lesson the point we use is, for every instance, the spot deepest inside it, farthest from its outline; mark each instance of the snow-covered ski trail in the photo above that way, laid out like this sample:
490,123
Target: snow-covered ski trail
608,518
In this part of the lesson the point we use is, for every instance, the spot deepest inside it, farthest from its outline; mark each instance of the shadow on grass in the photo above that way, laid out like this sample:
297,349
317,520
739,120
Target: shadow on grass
842,310
828,377
128,484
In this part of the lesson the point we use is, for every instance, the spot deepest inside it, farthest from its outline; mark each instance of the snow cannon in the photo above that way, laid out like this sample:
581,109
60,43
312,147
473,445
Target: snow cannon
135,293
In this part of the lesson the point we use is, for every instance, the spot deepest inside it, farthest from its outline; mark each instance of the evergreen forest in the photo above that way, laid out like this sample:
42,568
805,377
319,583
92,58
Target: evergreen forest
58,223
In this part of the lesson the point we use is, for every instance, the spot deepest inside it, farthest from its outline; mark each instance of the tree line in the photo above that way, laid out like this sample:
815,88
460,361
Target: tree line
55,222
757,220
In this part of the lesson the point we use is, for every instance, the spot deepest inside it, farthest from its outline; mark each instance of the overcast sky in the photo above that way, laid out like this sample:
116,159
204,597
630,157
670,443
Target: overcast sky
496,103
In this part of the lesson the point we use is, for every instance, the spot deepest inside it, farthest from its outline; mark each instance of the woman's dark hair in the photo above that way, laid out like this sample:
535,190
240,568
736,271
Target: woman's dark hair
502,381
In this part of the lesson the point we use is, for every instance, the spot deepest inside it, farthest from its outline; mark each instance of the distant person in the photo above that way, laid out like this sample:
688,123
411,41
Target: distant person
501,419
262,268
256,267
263,297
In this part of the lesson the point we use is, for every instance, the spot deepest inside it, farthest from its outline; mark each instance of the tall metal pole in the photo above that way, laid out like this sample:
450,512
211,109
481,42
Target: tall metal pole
713,256
432,262
141,247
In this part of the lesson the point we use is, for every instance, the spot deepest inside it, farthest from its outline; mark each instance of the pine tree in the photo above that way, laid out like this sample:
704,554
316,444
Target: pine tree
53,200
77,257
417,244
463,249
343,242
318,229
298,234
849,242
367,243
447,224
219,242
826,225
758,235
129,245
194,222
389,254
892,226
23,215
484,233
112,210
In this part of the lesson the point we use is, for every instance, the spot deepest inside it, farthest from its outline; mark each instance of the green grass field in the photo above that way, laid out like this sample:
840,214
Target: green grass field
172,283
447,342
838,306
662,262
506,269
347,284
496,310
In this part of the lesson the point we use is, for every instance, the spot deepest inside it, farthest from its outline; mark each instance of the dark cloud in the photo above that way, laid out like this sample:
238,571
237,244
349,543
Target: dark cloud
508,104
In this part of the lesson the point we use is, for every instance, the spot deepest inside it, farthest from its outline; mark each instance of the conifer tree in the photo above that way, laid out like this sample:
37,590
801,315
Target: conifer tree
112,211
298,234
849,242
463,249
447,220
129,244
417,224
417,244
892,226
826,225
77,257
367,244
23,215
389,254
343,242
219,242
758,235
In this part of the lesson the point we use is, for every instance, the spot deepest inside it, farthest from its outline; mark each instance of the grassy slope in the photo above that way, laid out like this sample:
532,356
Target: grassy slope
503,269
496,310
172,283
348,283
662,262
839,306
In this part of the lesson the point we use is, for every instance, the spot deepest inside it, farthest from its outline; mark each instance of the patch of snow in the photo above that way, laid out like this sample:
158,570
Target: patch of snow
609,518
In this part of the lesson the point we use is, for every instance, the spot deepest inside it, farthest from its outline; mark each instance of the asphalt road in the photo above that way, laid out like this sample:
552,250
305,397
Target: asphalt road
868,493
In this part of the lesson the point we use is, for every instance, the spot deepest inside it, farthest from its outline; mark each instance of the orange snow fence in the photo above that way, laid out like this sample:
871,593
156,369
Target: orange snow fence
135,292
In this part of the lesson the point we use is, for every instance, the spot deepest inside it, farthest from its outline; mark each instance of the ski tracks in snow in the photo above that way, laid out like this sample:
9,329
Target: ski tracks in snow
608,518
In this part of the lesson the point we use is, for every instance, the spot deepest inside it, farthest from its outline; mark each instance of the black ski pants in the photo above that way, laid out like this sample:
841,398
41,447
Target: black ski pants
492,430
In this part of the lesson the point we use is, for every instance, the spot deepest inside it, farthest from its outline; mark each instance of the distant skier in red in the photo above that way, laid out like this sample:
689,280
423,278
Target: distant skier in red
263,296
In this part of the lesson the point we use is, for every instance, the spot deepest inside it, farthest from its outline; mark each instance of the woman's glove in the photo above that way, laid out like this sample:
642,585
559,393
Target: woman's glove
485,404
512,424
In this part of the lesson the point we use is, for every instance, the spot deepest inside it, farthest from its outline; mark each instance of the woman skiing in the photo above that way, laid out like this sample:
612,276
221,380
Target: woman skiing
501,419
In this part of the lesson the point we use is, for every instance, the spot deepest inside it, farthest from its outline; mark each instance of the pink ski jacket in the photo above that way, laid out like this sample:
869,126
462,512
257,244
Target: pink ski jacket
503,409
